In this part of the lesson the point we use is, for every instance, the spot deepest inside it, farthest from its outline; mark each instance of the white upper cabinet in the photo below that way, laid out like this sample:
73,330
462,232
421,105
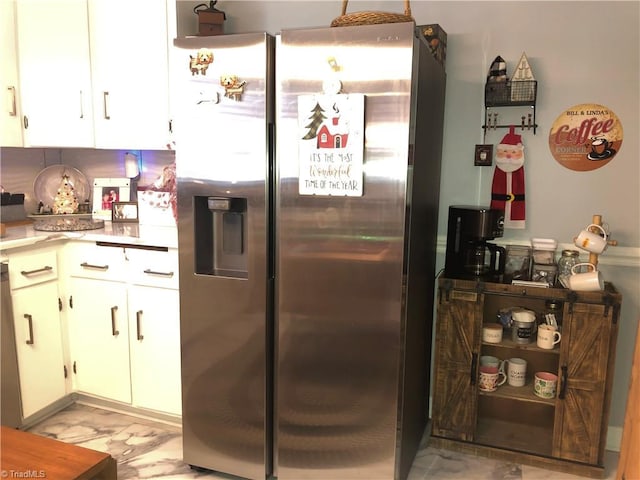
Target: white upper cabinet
130,71
55,74
94,73
10,111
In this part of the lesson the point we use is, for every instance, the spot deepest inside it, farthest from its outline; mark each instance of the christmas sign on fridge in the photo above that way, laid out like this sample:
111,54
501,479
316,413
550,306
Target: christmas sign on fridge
331,144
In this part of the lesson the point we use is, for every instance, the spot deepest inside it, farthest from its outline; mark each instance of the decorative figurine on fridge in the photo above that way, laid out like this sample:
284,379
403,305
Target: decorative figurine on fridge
507,189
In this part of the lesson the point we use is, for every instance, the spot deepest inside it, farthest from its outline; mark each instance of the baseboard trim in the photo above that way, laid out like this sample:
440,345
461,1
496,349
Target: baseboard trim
125,409
614,439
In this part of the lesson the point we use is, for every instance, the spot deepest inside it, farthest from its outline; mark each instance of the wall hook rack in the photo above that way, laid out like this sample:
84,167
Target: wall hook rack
520,93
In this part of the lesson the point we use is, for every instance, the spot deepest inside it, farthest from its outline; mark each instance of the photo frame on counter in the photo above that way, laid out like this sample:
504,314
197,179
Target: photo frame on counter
106,191
124,212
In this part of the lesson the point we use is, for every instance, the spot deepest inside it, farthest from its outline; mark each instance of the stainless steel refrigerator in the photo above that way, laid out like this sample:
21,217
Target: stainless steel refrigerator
307,258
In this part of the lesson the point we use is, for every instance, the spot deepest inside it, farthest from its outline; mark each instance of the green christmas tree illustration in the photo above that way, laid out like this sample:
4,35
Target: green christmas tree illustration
317,117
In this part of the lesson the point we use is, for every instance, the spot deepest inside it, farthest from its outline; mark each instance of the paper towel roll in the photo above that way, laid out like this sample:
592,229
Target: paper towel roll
131,169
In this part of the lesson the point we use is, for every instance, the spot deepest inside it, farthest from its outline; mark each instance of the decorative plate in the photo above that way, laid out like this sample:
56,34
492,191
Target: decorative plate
48,182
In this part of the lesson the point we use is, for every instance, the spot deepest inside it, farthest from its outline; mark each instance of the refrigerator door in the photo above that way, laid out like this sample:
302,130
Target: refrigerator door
340,282
223,150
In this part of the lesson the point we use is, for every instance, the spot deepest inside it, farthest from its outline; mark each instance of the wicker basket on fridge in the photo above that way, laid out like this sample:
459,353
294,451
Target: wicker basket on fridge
371,18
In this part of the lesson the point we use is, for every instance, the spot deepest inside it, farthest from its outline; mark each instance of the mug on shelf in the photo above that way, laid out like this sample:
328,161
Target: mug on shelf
545,384
516,371
587,281
548,336
592,242
489,361
490,378
492,333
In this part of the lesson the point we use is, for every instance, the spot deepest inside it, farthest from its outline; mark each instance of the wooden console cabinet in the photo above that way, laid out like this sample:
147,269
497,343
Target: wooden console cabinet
567,433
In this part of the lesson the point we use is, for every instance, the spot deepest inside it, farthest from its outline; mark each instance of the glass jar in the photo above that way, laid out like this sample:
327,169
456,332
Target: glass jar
568,259
553,313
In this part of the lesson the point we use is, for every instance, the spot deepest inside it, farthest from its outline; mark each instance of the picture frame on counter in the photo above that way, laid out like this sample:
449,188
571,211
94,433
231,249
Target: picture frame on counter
106,192
124,212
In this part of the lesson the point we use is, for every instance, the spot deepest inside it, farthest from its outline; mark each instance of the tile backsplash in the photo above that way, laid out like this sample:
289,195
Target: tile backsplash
20,166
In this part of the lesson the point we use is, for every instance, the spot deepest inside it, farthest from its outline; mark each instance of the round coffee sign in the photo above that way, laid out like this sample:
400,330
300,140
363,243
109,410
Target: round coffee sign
585,137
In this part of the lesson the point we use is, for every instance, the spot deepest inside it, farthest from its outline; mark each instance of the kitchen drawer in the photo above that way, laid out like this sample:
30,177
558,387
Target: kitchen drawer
89,260
32,268
155,268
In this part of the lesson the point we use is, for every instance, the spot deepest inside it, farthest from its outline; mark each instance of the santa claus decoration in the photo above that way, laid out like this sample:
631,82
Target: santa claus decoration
507,189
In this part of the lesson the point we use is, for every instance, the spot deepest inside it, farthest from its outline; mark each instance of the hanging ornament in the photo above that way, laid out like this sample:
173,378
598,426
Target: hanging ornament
507,189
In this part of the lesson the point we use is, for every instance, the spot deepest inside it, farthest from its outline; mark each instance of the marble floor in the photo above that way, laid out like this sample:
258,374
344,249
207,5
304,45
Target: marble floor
146,449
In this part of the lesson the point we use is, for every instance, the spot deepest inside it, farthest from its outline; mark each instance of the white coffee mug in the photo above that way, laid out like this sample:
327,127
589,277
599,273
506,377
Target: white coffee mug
548,336
492,333
516,371
585,282
592,242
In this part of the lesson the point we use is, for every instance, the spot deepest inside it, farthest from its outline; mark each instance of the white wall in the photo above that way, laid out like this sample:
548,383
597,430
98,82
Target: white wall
580,52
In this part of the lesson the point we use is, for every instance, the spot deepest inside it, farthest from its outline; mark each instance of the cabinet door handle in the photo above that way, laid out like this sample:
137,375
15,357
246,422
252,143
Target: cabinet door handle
81,106
105,101
97,267
474,368
13,111
25,121
114,332
563,382
30,321
26,273
154,272
138,324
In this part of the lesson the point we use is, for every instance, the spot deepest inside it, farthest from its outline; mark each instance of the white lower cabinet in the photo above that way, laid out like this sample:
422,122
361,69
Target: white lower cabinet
99,331
154,328
125,325
39,346
33,276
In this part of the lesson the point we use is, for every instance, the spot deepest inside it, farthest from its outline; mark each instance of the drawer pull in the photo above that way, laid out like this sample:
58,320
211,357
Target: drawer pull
105,102
30,320
114,332
138,324
39,270
13,111
153,272
96,267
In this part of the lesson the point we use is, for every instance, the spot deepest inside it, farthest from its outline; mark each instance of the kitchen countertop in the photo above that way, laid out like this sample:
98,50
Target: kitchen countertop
132,233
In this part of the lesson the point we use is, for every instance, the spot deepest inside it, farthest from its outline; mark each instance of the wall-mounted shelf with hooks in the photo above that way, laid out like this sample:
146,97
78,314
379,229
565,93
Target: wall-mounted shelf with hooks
510,94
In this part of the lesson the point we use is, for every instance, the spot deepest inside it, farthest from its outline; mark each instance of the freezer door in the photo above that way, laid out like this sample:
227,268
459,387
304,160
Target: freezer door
340,260
223,166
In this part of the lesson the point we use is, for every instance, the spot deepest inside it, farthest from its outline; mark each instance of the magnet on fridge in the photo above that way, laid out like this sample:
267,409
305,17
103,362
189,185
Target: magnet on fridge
233,87
199,64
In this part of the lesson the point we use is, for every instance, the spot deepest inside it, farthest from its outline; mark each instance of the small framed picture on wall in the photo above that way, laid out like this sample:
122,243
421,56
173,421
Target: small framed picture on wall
484,155
106,192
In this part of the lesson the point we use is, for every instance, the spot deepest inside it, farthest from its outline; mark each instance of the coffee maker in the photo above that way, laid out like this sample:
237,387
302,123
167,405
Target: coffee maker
469,255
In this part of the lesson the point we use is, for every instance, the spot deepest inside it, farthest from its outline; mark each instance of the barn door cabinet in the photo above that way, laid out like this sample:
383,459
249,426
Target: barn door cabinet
566,433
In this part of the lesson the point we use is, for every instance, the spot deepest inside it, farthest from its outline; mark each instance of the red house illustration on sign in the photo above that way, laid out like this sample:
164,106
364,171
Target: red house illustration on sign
326,139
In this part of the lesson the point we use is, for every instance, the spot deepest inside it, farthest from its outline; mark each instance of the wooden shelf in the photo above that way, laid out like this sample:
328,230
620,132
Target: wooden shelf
524,394
507,343
514,436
